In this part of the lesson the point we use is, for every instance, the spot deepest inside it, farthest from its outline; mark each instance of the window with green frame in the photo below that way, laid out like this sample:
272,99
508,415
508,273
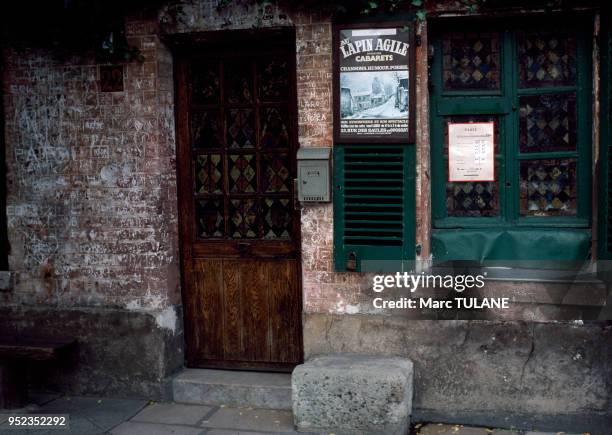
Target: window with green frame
605,148
533,81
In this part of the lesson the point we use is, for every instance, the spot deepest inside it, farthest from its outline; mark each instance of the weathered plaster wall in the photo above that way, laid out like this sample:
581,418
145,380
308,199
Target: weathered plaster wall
91,180
547,376
119,352
92,217
92,183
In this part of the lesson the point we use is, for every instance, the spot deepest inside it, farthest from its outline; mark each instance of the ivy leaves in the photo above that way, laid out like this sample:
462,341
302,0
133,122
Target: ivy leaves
394,6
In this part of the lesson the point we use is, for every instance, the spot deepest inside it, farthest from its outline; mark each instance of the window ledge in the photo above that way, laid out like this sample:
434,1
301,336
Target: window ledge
538,286
579,293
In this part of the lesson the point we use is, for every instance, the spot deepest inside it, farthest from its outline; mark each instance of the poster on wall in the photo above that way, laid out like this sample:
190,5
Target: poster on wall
374,83
471,152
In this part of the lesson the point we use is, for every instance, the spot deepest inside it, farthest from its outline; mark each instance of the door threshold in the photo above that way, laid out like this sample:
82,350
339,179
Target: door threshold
250,366
233,388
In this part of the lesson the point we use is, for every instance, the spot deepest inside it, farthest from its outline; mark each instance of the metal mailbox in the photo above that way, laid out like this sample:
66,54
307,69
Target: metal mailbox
314,174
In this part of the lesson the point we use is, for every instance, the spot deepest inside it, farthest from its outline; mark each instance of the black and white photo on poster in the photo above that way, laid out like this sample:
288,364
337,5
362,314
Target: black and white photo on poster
373,93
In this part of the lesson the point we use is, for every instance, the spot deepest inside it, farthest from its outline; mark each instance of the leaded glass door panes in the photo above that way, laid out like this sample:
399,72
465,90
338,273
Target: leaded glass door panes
546,59
548,123
243,153
471,60
548,187
533,82
474,199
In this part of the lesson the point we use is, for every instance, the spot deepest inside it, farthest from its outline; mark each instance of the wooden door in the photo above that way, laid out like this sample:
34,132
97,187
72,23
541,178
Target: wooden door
240,245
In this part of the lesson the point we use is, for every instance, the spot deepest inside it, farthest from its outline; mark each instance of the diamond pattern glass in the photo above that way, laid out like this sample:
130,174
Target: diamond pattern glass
238,83
547,123
274,129
277,218
276,176
243,219
205,129
242,148
209,173
242,173
209,216
548,187
473,199
205,83
470,61
547,59
241,128
273,79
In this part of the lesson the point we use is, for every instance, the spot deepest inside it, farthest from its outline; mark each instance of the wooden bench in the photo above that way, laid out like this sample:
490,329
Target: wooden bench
15,352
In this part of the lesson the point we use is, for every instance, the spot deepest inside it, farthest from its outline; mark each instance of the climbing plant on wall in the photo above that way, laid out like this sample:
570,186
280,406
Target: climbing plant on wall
73,26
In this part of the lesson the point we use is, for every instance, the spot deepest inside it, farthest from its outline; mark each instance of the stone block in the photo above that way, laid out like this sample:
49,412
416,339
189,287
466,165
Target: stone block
353,394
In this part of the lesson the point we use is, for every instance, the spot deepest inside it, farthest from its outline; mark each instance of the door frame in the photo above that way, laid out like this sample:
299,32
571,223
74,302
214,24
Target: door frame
183,47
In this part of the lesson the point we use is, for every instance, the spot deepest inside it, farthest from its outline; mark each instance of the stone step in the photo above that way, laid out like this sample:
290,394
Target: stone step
233,388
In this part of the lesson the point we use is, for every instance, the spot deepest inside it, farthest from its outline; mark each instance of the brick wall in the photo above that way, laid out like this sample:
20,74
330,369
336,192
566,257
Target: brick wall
92,184
323,289
91,179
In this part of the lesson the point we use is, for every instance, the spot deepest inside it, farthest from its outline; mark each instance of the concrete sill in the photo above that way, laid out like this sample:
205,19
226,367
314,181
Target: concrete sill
539,286
585,293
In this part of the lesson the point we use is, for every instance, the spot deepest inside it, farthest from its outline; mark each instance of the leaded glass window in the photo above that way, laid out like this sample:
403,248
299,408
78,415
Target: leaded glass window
547,122
530,83
548,187
471,61
477,199
473,199
242,166
547,59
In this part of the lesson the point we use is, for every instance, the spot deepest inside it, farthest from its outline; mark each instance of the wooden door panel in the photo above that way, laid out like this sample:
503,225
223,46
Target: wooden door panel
245,311
233,330
240,234
206,305
255,315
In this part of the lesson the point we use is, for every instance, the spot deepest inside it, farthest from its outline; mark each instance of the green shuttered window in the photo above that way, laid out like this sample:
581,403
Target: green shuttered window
373,207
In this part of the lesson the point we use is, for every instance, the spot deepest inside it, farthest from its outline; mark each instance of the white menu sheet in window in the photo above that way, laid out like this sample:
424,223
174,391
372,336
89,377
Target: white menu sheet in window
471,152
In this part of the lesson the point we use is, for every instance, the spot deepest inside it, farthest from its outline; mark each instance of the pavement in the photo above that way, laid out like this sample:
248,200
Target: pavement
93,416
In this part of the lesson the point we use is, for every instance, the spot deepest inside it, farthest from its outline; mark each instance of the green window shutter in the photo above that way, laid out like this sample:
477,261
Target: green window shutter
374,216
605,160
